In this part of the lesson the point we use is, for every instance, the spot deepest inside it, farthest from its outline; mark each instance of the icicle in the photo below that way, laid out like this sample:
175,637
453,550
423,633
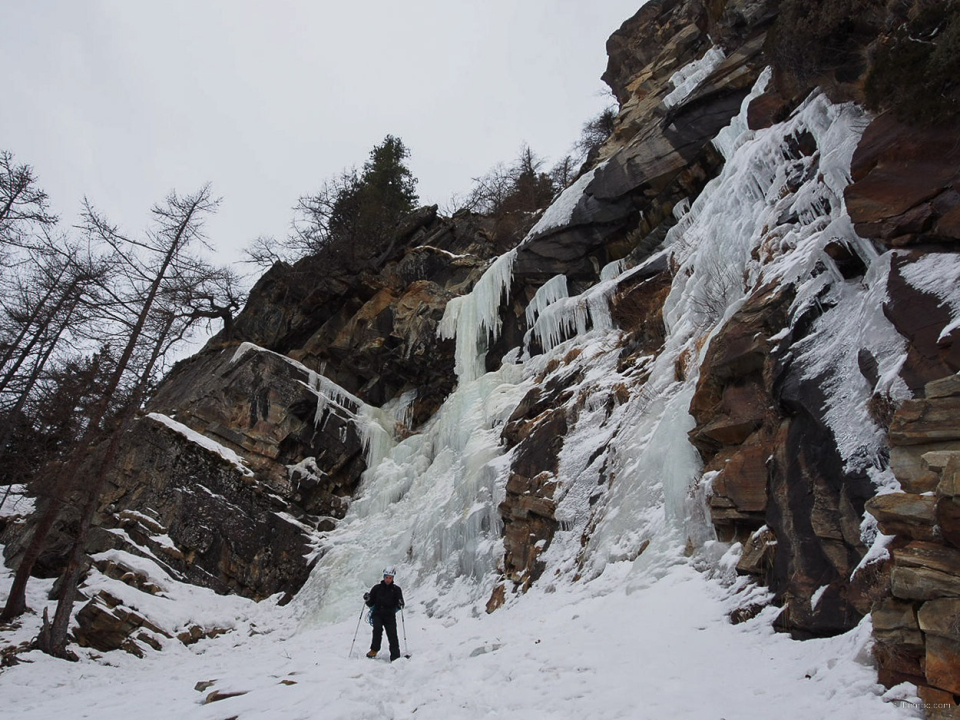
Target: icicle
474,319
567,318
681,208
552,290
613,270
330,394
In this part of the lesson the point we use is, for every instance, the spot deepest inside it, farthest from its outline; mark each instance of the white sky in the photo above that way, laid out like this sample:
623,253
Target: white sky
123,101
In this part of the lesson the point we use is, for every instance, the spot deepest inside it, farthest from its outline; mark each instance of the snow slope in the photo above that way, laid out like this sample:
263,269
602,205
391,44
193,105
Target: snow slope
612,648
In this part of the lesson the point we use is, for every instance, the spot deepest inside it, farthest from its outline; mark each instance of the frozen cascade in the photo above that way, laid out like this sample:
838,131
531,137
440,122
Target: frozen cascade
568,317
430,506
744,230
552,290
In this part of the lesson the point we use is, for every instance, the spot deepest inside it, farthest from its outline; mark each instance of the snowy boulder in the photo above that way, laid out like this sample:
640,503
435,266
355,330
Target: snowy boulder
105,623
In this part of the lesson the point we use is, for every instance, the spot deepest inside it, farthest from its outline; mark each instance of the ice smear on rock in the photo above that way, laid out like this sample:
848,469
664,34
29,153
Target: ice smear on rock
689,77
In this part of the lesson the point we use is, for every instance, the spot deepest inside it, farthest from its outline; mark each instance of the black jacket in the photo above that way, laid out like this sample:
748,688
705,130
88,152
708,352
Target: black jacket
385,598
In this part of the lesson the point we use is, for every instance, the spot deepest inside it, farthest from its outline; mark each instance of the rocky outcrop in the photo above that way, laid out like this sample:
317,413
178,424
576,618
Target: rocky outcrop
906,184
660,154
536,430
778,484
916,627
373,332
252,448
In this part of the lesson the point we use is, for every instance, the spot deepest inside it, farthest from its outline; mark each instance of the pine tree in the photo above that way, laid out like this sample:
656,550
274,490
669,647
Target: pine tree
352,219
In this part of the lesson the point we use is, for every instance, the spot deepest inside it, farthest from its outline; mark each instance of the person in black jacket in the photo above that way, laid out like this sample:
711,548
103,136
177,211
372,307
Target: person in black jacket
386,599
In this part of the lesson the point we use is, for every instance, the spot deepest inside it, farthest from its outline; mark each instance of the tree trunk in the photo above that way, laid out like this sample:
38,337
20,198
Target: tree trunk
53,639
16,602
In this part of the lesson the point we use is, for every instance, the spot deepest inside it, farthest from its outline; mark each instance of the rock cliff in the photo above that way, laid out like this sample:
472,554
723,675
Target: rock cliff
765,273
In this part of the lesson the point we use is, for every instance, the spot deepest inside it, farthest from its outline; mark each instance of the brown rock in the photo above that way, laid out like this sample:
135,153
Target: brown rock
949,485
913,472
893,614
758,552
767,110
928,555
926,420
940,704
913,516
743,479
217,696
943,663
105,624
896,171
898,663
926,571
948,517
937,460
921,318
944,387
497,598
941,617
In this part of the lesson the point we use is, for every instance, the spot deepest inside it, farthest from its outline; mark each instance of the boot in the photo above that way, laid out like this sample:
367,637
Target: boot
372,654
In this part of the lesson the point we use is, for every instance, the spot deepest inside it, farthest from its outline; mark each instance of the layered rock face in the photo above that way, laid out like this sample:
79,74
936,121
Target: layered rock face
918,627
750,293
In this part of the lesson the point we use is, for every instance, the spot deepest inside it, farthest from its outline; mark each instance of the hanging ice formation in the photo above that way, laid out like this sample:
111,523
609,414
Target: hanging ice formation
474,319
568,317
547,294
629,486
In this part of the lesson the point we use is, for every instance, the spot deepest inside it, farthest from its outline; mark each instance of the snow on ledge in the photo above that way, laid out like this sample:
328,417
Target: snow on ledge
688,78
203,441
561,210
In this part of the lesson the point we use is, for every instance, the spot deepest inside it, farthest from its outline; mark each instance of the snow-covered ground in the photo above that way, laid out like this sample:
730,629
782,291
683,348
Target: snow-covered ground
612,648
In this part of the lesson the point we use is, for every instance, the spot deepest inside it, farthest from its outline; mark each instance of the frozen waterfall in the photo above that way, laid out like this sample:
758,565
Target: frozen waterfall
629,486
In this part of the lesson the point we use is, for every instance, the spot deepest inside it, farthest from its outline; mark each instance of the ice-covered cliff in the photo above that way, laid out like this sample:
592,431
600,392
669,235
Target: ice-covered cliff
713,354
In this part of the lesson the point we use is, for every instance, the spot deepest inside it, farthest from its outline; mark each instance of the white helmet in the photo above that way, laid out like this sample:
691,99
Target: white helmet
389,571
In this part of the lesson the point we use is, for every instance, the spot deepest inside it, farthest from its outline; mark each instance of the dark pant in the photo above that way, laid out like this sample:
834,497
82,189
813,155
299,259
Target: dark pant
385,621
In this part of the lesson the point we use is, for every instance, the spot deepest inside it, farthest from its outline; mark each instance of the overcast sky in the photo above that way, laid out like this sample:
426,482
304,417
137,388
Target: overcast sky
125,100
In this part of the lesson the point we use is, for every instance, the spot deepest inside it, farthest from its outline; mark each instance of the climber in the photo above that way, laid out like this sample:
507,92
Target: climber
386,599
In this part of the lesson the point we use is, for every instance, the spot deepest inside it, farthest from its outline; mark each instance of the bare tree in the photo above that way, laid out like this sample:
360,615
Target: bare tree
24,207
147,264
178,223
594,133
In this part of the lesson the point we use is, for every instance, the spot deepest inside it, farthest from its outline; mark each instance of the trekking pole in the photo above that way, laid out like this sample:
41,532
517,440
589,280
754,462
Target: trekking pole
403,624
350,654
